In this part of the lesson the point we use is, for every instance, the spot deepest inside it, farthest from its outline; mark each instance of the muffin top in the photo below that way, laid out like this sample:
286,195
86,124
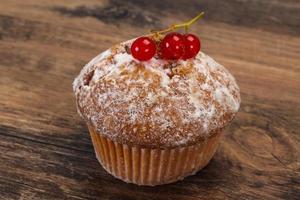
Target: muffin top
156,103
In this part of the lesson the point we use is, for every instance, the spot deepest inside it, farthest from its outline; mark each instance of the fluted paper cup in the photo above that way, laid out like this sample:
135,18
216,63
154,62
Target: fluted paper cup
151,166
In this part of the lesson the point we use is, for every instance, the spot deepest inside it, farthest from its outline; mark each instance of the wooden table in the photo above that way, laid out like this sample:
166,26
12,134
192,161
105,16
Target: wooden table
46,151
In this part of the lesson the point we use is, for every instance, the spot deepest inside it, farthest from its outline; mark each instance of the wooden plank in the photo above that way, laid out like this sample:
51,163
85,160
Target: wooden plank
46,152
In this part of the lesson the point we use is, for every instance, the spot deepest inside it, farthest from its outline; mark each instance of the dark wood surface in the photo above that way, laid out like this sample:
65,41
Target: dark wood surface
45,148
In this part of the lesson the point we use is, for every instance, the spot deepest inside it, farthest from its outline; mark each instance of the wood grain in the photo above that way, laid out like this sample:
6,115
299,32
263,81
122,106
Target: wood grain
46,151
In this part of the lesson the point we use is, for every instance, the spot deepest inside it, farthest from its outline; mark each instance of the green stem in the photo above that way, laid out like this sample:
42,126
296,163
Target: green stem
185,25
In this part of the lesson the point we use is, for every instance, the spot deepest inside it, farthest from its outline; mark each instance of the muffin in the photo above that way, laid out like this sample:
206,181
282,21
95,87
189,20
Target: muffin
158,121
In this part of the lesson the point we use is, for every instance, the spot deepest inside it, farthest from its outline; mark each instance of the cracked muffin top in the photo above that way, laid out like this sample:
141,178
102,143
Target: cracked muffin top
156,103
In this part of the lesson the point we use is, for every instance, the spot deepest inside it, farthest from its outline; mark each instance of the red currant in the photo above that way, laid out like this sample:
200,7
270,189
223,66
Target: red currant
172,46
143,49
192,46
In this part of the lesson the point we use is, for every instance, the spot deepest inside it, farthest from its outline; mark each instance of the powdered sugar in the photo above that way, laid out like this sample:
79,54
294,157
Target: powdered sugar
155,103
123,58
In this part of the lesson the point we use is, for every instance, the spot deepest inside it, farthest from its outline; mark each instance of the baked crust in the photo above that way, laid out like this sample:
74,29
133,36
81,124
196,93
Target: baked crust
156,103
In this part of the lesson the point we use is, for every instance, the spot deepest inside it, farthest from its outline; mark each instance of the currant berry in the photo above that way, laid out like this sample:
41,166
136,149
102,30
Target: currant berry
143,49
192,46
172,46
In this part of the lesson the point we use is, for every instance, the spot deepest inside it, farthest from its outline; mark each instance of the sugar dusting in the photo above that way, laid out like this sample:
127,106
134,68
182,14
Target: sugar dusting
140,103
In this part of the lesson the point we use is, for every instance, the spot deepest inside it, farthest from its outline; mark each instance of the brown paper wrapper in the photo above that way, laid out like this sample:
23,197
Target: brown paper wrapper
145,166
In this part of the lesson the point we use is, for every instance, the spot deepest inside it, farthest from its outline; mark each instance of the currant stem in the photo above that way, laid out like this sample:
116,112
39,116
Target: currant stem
186,29
185,25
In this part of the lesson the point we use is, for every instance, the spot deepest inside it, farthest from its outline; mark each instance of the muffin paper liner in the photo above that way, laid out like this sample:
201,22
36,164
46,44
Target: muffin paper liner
150,166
